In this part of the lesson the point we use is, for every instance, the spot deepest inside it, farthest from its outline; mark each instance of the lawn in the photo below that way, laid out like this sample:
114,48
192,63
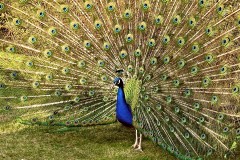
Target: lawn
112,141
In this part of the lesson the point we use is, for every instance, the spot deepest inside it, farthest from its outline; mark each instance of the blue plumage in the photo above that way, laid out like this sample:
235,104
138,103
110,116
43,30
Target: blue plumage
124,113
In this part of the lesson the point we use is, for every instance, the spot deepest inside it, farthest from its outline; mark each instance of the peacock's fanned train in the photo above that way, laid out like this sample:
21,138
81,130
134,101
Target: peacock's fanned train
180,62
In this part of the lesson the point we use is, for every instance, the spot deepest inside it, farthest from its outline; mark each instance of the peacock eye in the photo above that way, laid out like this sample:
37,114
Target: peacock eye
176,83
225,129
51,117
203,136
223,70
117,28
2,86
183,120
209,31
105,99
64,8
166,39
129,38
127,14
7,107
194,70
35,84
195,48
176,20
57,93
101,63
123,54
11,49
65,70
49,77
142,26
82,81
187,92
166,59
151,43
17,21
238,131
201,119
32,39
30,64
146,5
225,41
41,14
68,87
181,63
87,44
202,3
111,6
153,60
220,117
47,53
181,41
23,98
104,78
76,122
1,6
74,25
235,90
13,75
214,99
106,46
88,5
196,106
158,20
98,24
177,110
91,93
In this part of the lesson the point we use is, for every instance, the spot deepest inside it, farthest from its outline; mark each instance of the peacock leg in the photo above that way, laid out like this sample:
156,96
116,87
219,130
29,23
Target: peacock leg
135,145
140,143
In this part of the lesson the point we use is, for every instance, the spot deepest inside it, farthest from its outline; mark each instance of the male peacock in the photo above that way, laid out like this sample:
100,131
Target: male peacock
180,62
124,112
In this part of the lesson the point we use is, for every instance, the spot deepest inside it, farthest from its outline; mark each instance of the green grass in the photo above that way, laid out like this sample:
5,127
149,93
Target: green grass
18,141
113,141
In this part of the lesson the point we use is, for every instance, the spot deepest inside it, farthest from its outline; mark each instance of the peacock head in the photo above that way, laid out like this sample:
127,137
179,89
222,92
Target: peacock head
118,82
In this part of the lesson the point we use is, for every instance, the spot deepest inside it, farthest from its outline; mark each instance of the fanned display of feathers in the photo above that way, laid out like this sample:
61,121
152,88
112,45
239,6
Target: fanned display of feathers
179,60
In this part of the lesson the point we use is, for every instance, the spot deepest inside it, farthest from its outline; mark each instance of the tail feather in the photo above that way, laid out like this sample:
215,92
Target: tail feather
180,61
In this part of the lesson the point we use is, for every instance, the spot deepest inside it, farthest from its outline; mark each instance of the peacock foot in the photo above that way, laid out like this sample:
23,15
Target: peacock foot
135,146
139,149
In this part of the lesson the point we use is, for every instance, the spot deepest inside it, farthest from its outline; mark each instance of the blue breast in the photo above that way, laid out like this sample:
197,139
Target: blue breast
124,113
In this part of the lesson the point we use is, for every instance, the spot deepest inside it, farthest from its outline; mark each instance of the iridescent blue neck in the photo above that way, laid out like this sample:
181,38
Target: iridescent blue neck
124,113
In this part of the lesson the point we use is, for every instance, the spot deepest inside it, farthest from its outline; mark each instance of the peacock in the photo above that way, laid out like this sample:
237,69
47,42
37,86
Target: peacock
168,68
